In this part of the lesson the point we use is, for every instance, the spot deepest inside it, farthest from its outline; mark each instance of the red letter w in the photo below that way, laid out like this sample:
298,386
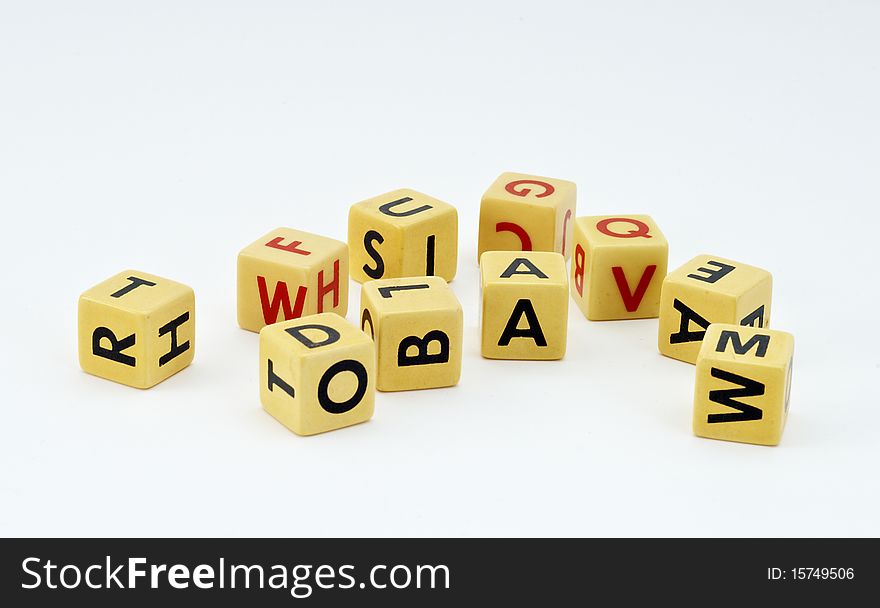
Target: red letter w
280,299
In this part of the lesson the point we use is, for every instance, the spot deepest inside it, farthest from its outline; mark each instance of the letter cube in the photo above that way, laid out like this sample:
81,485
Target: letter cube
709,289
416,324
136,328
743,384
618,267
525,305
289,274
527,213
317,373
403,233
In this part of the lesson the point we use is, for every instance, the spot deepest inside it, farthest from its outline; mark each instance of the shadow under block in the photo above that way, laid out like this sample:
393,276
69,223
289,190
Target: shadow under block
288,274
417,326
136,328
522,212
709,289
524,312
743,384
618,266
403,233
317,373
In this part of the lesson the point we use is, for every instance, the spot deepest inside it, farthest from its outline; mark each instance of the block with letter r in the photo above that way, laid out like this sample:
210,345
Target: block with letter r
417,326
710,289
402,233
136,328
520,212
743,384
317,373
288,274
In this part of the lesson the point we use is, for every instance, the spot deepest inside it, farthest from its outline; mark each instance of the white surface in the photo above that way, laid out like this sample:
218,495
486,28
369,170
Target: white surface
165,136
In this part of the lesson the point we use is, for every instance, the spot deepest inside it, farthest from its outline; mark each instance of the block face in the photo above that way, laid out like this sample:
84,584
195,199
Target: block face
618,266
522,212
317,373
524,313
417,326
288,274
709,289
402,233
743,384
136,328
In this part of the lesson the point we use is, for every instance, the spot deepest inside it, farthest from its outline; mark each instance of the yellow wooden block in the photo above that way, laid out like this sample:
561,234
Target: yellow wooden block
317,373
522,212
288,274
743,384
403,233
710,289
416,324
136,328
524,313
618,266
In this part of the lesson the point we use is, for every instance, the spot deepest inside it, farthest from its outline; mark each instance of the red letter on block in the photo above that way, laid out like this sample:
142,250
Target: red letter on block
333,286
293,247
525,241
548,189
632,300
579,256
280,299
565,228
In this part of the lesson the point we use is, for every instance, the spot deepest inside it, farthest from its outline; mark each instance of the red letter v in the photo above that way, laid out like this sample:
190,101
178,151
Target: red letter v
632,300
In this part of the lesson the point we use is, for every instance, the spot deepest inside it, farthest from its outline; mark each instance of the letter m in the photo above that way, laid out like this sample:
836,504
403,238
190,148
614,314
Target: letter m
759,341
728,397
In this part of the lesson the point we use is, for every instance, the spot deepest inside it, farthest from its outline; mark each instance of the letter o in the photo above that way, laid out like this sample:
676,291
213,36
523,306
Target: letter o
346,365
393,578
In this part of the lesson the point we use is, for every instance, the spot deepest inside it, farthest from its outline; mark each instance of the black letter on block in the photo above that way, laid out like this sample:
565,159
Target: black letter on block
114,353
760,341
176,350
296,332
275,380
422,357
429,255
514,269
135,283
754,319
379,270
714,275
387,292
687,315
750,388
533,331
387,208
346,365
366,317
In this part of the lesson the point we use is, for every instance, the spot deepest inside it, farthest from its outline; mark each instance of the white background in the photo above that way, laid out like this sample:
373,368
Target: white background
165,136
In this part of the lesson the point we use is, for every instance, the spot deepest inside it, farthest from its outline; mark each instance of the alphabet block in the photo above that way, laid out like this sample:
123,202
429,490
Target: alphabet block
136,328
403,233
416,324
525,305
527,213
743,384
710,289
618,267
288,274
317,373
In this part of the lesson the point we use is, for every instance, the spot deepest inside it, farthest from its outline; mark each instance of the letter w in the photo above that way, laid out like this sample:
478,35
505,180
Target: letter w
729,396
280,300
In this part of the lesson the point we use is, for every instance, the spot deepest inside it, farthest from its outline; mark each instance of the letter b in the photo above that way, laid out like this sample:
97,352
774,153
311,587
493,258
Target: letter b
417,325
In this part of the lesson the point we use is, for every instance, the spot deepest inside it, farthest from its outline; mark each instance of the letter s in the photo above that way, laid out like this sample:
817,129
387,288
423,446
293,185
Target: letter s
31,572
